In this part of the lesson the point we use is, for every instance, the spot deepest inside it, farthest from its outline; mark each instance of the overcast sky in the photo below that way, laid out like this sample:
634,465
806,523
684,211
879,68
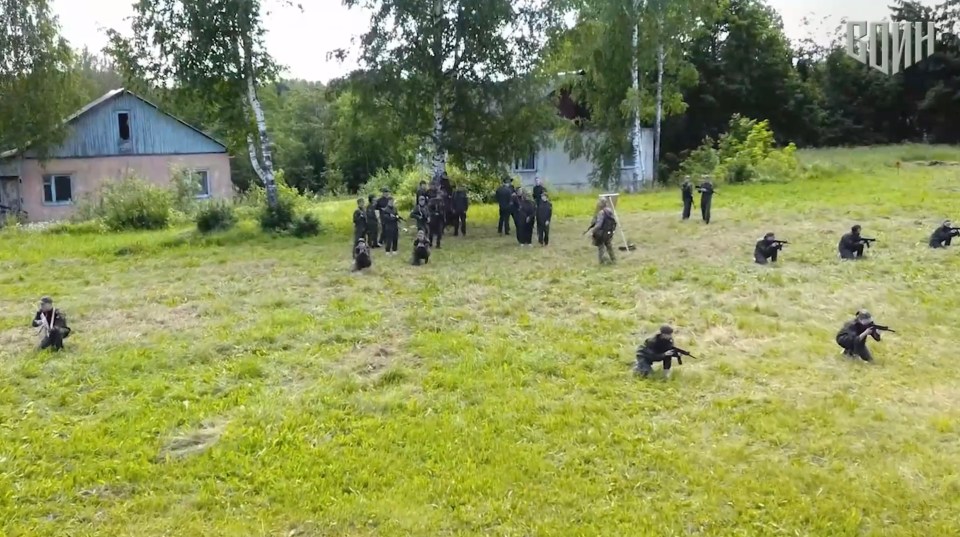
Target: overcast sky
301,41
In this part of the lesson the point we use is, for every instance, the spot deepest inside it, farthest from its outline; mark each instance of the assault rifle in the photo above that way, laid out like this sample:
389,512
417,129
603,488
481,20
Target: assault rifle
680,353
881,328
779,244
867,241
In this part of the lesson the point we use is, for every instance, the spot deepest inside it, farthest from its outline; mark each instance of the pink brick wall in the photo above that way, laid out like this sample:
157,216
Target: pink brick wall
90,173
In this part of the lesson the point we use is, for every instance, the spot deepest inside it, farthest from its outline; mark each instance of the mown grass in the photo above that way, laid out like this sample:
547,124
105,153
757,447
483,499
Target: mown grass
244,385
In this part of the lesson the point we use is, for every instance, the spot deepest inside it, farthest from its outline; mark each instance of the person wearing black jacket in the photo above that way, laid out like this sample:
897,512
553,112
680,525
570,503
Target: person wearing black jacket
361,256
943,235
515,213
421,249
359,224
52,324
391,227
438,213
526,213
544,214
853,336
706,199
421,214
538,190
686,194
504,195
373,224
461,202
851,244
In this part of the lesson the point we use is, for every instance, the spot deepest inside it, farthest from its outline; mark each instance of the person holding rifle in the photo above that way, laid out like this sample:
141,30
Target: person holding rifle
658,348
943,235
852,244
52,324
767,248
853,336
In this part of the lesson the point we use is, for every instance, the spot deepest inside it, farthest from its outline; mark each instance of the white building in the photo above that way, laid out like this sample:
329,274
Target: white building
558,170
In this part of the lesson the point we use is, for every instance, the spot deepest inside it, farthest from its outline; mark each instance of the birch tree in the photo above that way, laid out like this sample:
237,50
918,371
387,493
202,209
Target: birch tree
37,86
460,73
214,52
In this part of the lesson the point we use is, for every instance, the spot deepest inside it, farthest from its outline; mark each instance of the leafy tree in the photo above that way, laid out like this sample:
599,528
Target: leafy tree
213,52
37,83
454,71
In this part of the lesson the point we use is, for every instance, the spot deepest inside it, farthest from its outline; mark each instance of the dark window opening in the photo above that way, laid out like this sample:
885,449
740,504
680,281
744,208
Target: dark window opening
123,119
57,189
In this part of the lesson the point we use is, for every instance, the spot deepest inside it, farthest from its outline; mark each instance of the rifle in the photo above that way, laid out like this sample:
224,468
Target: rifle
881,328
680,353
779,244
867,241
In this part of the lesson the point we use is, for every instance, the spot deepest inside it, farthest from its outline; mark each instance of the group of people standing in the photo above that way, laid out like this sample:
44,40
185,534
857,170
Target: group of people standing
515,204
706,197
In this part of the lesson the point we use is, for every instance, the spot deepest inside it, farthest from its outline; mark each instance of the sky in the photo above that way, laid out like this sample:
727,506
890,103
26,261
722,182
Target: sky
301,41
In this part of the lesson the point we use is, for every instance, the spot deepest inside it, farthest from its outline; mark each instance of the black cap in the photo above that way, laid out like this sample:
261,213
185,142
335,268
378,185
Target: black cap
855,229
46,300
666,330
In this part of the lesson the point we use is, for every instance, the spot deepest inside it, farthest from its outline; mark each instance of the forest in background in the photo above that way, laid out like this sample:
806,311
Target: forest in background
702,60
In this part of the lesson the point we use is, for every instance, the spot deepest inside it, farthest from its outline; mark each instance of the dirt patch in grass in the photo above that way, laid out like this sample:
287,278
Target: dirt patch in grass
193,442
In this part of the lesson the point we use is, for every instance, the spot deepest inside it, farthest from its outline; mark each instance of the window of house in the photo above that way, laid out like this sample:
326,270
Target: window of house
203,180
527,163
57,189
123,124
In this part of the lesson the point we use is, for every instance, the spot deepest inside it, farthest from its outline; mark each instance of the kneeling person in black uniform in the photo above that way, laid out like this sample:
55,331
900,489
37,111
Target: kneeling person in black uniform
361,255
853,336
421,249
767,249
52,324
658,348
943,235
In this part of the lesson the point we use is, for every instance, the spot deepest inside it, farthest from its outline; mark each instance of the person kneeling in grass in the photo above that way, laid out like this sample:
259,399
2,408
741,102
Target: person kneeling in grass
52,324
421,248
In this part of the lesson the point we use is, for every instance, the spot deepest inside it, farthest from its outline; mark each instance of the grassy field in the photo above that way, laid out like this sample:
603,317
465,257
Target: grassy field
243,385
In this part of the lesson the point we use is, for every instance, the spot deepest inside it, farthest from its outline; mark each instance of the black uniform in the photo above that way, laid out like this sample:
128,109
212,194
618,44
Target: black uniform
943,236
56,328
851,246
526,214
359,226
686,193
504,195
706,198
658,348
849,338
544,214
515,215
361,256
438,213
422,192
538,191
382,201
373,225
461,202
766,250
421,214
391,228
421,251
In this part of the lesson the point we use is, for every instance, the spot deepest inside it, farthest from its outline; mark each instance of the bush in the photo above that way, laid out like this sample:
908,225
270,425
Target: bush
215,217
403,184
305,226
184,187
746,152
135,204
278,218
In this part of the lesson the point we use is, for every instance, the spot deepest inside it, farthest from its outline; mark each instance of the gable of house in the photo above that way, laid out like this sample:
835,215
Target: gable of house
122,124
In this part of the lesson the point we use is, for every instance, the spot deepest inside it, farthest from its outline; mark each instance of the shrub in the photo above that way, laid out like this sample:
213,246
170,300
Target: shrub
184,187
135,204
278,218
215,217
256,195
305,226
746,152
403,184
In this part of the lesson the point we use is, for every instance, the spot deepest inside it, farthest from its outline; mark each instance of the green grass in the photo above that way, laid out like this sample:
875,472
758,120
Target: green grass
246,385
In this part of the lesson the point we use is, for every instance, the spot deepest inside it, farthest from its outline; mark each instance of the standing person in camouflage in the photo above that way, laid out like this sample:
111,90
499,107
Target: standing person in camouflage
603,226
686,194
359,224
373,223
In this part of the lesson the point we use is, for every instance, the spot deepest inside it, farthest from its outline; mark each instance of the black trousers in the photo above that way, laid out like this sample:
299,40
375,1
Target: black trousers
517,227
418,258
391,235
705,209
687,206
54,339
852,254
762,260
543,233
941,244
361,263
459,224
855,347
527,231
503,225
436,232
357,235
372,237
645,365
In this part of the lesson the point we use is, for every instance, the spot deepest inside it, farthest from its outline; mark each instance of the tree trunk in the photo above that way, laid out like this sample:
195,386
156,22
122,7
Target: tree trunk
254,159
661,55
637,129
269,182
439,163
